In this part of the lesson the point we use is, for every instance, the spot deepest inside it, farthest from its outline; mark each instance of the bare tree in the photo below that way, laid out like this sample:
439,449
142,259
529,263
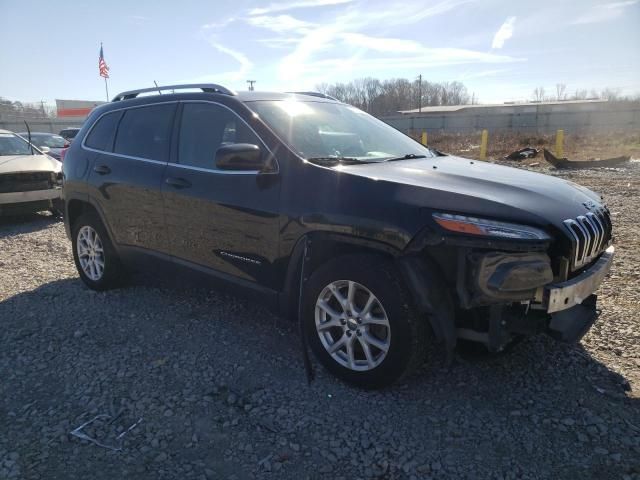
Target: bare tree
580,95
561,91
393,95
538,94
611,94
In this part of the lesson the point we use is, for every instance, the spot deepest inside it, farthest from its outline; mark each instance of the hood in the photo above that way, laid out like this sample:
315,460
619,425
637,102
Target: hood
28,163
459,185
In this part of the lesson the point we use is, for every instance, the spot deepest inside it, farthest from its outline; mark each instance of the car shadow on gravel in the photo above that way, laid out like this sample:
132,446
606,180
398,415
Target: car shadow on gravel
13,225
220,384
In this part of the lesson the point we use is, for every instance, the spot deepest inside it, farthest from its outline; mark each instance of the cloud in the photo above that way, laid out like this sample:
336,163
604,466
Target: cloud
603,12
345,43
231,76
397,13
220,24
504,33
280,23
482,73
281,7
137,19
380,44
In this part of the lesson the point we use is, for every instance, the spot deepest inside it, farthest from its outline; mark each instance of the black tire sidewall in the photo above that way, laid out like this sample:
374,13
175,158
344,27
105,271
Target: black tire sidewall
112,267
379,276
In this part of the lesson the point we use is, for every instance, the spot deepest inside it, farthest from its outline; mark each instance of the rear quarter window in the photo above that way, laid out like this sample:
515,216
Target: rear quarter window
145,132
103,132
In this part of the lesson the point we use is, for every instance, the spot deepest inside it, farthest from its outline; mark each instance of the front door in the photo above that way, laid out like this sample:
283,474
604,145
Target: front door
220,219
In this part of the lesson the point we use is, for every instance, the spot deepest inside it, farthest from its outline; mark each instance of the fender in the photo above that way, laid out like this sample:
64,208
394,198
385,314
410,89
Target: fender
326,245
420,275
88,200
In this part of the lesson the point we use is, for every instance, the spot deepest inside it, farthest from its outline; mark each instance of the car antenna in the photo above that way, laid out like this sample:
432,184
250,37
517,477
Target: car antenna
156,84
29,135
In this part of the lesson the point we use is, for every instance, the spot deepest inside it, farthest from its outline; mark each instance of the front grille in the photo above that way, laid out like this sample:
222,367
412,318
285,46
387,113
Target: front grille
25,181
591,234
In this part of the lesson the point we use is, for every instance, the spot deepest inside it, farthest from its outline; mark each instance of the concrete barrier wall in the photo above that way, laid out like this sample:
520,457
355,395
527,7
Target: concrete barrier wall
532,119
53,125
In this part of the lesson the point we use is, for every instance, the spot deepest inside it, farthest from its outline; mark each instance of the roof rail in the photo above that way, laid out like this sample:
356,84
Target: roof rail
205,87
316,94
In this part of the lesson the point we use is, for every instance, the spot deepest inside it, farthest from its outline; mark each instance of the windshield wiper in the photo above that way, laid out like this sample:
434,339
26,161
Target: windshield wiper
336,160
408,156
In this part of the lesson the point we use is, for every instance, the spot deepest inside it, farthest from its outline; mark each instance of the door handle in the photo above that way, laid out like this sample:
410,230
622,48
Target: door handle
102,170
178,182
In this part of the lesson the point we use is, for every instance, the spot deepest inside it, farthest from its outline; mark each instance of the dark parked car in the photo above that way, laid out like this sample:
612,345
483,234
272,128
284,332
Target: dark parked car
54,143
69,133
298,196
30,181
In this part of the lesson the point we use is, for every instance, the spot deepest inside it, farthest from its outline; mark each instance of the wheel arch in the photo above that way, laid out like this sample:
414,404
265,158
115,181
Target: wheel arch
324,246
75,207
420,273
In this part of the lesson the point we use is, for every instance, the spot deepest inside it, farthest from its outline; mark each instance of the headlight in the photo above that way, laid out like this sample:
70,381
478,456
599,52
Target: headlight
488,228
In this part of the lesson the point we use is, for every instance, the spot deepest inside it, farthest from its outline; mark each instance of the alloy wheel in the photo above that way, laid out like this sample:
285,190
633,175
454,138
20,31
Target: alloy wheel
352,325
90,253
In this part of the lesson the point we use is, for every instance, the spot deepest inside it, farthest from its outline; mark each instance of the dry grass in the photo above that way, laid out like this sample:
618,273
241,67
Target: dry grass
577,146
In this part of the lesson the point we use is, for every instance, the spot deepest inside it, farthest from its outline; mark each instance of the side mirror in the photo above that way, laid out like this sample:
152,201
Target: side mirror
239,156
44,150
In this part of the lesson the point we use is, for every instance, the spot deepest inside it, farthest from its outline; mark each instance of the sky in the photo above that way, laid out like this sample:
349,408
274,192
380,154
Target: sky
501,50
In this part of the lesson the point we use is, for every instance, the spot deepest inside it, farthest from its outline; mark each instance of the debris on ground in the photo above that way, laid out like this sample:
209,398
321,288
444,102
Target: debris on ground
594,163
80,433
523,154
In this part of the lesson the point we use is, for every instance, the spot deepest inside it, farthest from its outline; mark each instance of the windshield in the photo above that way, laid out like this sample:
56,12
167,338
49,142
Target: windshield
51,141
323,130
11,144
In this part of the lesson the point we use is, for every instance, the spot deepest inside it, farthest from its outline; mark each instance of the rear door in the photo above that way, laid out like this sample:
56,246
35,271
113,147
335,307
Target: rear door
220,219
127,174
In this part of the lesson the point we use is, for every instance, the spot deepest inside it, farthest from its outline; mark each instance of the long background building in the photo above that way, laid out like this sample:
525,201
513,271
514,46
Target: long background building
539,117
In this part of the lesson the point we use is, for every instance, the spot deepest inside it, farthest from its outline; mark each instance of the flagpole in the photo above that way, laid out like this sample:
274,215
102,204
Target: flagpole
106,73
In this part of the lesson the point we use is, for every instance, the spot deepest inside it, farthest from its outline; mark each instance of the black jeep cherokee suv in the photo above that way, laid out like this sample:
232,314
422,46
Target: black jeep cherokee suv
374,241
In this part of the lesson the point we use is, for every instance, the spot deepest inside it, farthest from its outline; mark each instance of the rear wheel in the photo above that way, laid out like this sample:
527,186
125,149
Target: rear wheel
360,321
96,260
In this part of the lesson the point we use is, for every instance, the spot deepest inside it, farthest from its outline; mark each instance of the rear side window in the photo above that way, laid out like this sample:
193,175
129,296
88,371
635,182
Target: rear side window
205,128
69,133
145,132
101,135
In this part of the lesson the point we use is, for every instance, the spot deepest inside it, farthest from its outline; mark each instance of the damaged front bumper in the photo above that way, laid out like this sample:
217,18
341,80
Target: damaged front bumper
562,296
565,310
572,304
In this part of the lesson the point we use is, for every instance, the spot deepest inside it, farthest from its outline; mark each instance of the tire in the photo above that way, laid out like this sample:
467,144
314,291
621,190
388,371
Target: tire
57,209
112,273
404,336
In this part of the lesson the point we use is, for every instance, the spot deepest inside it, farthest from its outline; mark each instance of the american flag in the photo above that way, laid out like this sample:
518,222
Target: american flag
102,65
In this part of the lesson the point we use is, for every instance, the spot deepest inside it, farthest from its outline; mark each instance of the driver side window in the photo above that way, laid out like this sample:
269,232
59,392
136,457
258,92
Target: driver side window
204,128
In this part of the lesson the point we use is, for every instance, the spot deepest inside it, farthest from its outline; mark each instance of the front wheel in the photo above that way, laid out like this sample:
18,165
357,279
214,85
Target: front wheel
360,322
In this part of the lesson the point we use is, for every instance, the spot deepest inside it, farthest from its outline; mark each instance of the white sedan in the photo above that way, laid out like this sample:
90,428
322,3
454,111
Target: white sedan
30,180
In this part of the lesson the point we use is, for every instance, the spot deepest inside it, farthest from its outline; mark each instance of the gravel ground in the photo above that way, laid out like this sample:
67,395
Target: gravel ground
220,390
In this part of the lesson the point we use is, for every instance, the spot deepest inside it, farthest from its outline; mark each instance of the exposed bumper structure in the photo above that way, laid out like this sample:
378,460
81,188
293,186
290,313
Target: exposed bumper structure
572,324
31,196
563,296
564,310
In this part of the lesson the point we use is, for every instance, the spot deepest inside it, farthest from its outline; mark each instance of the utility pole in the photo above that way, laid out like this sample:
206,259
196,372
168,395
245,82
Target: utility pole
251,82
419,93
